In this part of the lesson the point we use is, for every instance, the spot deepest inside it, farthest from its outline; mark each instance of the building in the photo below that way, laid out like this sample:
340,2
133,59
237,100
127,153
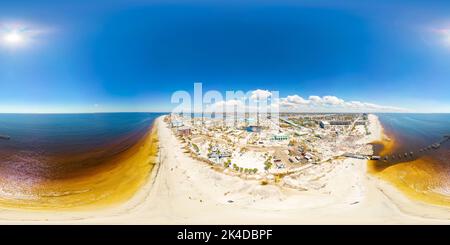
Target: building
280,137
254,129
361,122
324,124
177,123
340,123
301,133
184,131
218,153
293,160
309,156
346,123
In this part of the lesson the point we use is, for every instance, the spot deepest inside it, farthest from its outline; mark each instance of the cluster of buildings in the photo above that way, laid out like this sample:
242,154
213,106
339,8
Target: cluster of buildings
267,146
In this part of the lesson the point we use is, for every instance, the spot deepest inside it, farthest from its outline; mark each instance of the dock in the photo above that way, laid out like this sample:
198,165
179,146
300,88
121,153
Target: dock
360,156
411,155
400,156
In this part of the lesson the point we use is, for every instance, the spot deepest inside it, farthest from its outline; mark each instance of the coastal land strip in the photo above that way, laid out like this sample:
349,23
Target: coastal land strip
182,190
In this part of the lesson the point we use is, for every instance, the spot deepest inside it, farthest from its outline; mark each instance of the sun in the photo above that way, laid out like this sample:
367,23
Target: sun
13,38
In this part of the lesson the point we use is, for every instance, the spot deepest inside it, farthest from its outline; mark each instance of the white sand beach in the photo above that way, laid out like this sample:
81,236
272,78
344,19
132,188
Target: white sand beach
181,190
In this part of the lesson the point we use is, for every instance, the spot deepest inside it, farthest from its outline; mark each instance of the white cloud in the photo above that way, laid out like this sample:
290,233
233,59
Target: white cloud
295,99
332,100
229,103
226,105
315,99
285,103
260,94
355,104
296,103
331,103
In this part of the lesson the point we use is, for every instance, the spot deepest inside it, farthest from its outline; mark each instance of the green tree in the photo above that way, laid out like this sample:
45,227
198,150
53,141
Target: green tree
267,165
227,163
195,147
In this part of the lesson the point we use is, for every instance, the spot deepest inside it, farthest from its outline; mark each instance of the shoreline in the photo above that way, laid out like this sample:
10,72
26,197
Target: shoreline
404,201
115,183
181,190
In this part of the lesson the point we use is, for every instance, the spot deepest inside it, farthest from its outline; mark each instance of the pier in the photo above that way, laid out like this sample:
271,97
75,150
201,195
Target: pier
411,155
361,156
402,156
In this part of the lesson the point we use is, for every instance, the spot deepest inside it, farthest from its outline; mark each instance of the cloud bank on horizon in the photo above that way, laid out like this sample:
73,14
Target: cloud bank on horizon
296,103
330,103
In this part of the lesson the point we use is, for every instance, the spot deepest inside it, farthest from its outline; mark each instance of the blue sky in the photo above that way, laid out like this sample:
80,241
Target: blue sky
80,56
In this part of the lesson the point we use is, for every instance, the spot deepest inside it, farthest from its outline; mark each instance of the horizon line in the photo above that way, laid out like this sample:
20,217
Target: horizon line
167,112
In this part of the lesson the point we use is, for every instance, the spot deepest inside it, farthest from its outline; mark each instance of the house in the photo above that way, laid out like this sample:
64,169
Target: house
308,156
176,123
324,124
280,137
293,160
213,155
217,153
254,129
184,131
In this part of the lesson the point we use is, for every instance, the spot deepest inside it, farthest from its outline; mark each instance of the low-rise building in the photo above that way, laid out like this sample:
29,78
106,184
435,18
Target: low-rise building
280,137
309,156
254,129
176,123
184,131
324,124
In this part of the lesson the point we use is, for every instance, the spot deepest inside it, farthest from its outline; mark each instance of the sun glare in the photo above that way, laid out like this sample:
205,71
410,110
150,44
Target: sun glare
444,36
13,38
447,38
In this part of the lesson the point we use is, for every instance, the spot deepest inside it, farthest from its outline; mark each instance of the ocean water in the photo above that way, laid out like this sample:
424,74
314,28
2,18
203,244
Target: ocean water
417,129
54,155
68,132
424,174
